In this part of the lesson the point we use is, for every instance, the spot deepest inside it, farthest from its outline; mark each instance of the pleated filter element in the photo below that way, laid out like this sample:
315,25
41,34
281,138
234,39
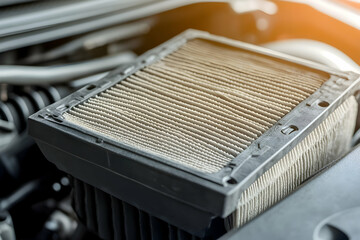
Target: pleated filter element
200,106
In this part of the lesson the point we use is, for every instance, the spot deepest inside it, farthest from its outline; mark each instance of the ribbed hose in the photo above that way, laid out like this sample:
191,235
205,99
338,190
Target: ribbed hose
22,104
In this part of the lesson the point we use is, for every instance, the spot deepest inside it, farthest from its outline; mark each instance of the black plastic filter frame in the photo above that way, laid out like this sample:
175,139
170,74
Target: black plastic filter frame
180,195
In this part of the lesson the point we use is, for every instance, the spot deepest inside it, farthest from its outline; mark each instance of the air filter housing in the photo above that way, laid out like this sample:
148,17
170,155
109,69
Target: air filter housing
187,132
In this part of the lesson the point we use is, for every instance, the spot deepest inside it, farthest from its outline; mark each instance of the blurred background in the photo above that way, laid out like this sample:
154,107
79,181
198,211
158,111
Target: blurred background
51,48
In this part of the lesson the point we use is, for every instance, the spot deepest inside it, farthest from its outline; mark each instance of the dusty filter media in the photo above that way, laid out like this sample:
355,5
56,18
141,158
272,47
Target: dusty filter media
200,106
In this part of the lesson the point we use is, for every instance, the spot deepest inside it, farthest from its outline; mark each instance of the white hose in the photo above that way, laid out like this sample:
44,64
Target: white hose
315,51
26,75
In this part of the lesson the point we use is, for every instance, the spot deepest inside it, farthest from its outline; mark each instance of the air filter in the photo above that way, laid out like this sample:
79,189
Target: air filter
200,106
198,129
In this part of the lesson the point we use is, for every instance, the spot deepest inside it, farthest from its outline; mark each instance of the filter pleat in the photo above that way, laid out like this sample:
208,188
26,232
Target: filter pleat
200,106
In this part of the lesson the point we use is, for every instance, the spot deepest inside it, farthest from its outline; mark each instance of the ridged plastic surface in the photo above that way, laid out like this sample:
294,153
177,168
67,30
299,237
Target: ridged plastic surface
112,218
200,106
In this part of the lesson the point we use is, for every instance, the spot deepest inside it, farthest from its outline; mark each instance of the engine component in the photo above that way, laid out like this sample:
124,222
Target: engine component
44,21
193,129
6,227
26,75
315,51
20,104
